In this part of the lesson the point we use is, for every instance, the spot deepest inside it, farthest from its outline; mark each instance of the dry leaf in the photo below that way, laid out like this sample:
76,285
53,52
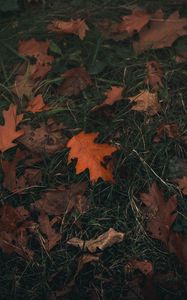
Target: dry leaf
47,138
146,267
36,104
181,57
8,131
23,86
154,75
76,80
14,230
113,95
161,214
161,33
135,22
63,200
182,184
147,102
37,49
104,241
170,130
77,27
90,156
52,237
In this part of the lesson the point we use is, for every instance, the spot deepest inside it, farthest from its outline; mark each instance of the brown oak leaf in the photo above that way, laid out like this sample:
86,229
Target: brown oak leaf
170,130
154,75
161,33
182,182
90,156
75,80
145,266
77,27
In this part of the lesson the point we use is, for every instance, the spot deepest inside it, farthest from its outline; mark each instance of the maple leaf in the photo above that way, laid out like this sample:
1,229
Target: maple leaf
134,22
161,213
170,130
90,155
161,33
76,80
37,49
47,138
77,27
103,241
113,95
154,75
63,200
36,104
146,267
147,102
182,182
8,131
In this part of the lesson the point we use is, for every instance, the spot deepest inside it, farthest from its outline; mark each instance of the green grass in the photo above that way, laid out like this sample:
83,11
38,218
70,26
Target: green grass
139,161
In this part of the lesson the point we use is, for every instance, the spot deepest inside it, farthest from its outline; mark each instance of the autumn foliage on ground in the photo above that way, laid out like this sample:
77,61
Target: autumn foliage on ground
93,156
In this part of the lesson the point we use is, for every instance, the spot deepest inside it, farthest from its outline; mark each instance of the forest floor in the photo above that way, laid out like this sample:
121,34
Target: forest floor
138,163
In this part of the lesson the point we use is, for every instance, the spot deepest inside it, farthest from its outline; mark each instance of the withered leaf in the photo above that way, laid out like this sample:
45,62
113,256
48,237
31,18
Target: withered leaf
145,266
8,132
30,178
162,32
170,130
48,138
37,104
161,214
90,156
77,27
46,226
182,182
76,80
147,102
113,95
154,75
103,241
62,200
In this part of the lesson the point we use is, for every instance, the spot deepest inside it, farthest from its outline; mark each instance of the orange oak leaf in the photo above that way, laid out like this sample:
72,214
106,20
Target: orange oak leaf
161,214
113,95
134,22
182,182
77,27
154,75
36,104
37,49
76,80
8,131
90,156
146,102
162,32
170,130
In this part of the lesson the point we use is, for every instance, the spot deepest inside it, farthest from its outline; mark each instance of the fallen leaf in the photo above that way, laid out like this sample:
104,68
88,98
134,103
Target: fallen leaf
52,237
161,33
178,244
134,22
36,104
145,266
37,49
182,184
161,214
8,131
103,241
77,27
113,95
110,30
147,102
90,156
76,80
47,138
14,230
30,178
170,130
154,75
63,200
23,86
181,57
